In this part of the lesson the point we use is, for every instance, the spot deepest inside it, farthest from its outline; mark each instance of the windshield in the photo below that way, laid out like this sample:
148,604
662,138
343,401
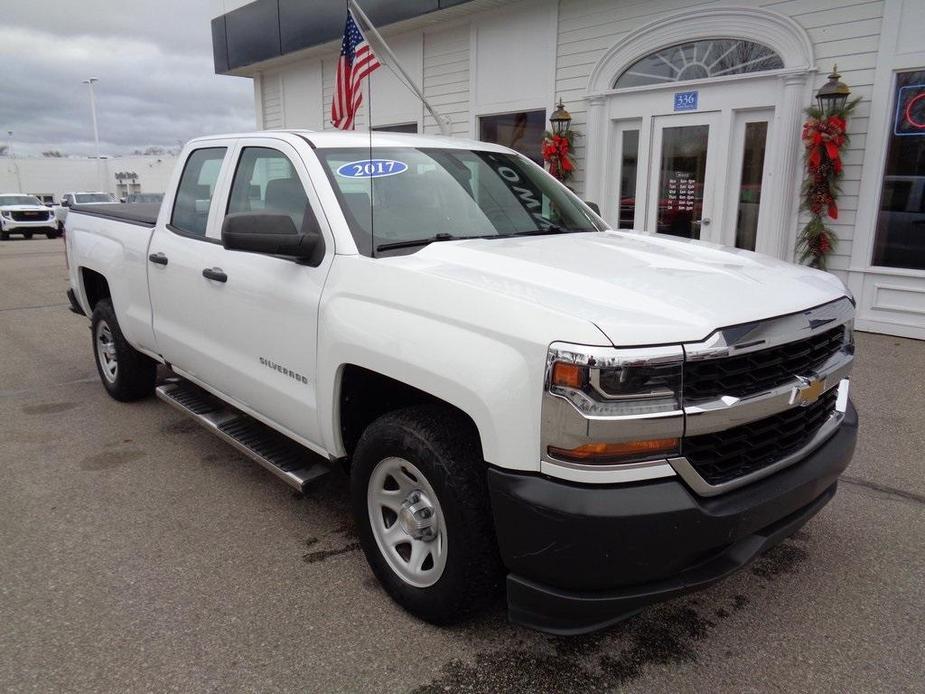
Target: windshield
84,198
19,200
420,193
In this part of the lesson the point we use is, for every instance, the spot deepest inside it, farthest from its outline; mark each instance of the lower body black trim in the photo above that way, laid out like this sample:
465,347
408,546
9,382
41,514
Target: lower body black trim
75,306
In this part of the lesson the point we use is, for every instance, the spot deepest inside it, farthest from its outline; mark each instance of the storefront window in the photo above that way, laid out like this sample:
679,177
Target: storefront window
522,132
900,239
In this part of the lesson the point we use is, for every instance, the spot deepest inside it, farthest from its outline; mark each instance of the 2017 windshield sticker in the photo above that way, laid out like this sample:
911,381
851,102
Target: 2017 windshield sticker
372,168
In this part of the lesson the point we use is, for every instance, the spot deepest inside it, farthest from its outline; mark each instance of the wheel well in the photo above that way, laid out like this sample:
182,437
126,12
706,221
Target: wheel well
95,286
367,395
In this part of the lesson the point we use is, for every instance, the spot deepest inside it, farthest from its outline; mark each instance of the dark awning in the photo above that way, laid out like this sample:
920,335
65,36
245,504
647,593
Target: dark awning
267,29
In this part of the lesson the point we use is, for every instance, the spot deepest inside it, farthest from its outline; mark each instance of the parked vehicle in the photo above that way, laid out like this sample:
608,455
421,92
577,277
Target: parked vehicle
25,215
598,420
68,200
143,197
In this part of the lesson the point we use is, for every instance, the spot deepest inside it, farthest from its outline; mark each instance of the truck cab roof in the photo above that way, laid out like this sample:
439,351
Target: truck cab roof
332,139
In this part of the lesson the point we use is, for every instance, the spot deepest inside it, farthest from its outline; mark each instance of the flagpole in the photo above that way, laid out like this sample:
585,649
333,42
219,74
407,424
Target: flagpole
441,121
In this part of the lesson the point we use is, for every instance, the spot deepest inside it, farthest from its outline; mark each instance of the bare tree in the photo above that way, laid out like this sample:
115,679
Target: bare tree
52,154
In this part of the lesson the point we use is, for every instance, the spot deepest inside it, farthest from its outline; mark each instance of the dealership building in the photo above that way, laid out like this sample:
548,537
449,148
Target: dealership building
676,106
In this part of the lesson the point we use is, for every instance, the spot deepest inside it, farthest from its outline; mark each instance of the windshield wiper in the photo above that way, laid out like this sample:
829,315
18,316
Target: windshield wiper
420,242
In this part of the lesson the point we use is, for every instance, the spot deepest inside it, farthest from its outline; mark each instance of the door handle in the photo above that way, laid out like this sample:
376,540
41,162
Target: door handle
706,221
215,273
158,258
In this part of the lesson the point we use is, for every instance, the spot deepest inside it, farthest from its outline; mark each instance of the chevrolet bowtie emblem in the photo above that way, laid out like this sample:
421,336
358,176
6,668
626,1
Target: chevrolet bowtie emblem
807,392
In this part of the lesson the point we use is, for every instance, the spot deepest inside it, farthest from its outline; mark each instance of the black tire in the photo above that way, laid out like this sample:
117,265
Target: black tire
4,236
27,235
51,234
443,446
134,374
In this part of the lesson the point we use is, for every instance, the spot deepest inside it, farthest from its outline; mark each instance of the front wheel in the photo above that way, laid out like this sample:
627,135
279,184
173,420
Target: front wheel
420,500
126,373
4,236
27,235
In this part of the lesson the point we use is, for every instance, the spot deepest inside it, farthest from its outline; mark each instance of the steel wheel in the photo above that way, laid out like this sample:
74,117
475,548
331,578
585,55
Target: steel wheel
106,352
407,522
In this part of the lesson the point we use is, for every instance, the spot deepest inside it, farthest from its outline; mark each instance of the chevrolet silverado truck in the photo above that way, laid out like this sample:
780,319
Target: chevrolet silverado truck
26,215
523,398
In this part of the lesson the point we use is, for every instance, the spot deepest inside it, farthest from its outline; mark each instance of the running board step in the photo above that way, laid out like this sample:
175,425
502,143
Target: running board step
291,462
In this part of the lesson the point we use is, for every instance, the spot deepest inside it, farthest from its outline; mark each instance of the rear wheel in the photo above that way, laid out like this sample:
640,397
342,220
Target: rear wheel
51,234
420,500
126,373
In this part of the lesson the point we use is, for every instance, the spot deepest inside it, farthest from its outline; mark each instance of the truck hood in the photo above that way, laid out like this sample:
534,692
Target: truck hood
637,288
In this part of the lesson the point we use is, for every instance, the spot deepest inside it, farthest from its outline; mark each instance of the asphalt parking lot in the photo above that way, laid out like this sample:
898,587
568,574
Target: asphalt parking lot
139,553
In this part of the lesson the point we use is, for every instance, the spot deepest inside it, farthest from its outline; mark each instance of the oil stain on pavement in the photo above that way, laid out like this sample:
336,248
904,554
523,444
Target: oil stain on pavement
49,408
111,459
599,662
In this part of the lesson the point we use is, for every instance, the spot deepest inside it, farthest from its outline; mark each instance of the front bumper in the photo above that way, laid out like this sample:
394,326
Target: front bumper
581,557
40,225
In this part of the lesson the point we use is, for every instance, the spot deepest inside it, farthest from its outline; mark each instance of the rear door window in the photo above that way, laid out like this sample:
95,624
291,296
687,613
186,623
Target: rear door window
197,186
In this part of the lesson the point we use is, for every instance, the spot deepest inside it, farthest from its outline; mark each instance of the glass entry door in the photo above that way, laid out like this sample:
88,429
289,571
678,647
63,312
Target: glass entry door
683,175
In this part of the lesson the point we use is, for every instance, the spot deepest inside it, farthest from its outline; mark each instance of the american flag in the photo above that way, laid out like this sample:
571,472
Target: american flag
357,60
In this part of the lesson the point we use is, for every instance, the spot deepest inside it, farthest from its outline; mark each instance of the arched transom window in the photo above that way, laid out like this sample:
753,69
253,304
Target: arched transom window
699,60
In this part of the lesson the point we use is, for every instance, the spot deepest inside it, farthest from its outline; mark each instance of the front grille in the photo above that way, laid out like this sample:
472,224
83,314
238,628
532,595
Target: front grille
761,370
31,216
726,455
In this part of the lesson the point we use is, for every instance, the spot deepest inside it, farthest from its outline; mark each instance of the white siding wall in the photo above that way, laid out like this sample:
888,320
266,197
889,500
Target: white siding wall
446,77
271,99
847,34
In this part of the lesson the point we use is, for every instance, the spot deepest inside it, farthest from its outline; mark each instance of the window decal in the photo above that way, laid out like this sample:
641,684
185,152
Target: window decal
371,168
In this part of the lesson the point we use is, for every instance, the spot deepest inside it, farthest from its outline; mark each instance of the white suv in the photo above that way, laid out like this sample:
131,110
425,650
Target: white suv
26,215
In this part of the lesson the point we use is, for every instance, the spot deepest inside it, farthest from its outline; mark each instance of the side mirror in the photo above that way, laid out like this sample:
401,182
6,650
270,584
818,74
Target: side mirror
65,203
594,207
273,233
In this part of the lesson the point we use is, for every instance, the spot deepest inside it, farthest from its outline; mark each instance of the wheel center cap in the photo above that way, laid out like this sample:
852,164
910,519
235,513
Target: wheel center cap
417,517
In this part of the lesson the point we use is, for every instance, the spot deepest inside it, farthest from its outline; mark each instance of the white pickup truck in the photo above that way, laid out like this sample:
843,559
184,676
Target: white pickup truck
523,398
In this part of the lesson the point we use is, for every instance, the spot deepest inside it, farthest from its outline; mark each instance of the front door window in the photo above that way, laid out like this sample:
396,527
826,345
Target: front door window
681,180
748,200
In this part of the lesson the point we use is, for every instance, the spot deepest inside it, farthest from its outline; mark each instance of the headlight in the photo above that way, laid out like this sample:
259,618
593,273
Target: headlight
618,382
628,401
6,213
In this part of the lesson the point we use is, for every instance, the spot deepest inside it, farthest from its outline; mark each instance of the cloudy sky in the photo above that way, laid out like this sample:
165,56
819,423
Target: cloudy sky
153,59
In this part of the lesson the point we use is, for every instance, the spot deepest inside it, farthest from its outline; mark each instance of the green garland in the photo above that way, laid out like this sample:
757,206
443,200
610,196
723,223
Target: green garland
824,136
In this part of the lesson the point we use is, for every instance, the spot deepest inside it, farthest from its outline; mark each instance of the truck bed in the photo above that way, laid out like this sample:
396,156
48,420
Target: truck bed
141,213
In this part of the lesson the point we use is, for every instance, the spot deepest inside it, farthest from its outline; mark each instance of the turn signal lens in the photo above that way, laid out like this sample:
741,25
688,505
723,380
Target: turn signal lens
599,452
568,375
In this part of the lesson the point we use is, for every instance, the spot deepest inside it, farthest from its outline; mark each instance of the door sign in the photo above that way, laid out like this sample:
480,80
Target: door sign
685,101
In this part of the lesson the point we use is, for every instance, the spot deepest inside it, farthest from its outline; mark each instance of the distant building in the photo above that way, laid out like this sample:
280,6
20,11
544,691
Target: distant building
48,177
662,93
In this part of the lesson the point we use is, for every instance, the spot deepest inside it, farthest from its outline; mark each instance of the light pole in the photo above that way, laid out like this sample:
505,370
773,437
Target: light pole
96,133
9,153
